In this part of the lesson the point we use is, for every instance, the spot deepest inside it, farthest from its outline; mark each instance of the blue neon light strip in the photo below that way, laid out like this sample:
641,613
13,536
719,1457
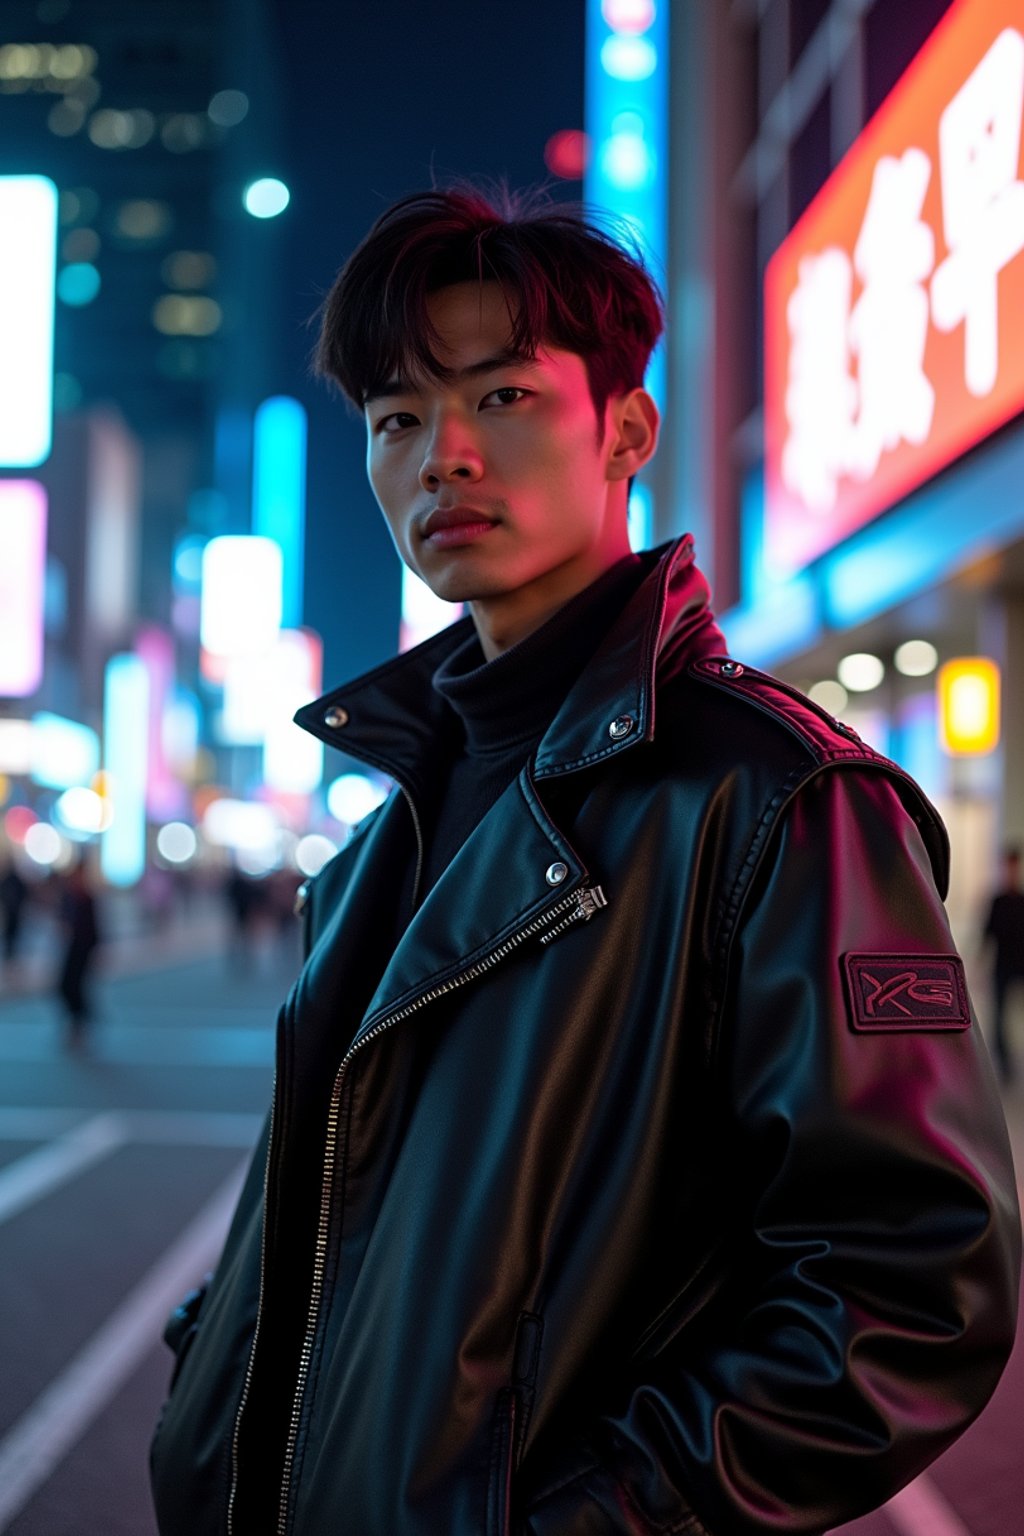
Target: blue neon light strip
279,492
626,112
969,512
972,510
125,751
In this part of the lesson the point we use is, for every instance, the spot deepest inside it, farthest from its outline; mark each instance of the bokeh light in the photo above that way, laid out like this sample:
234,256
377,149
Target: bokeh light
566,153
18,821
43,843
352,796
634,16
629,58
78,284
860,671
916,658
313,853
829,695
266,198
176,842
83,812
186,314
227,108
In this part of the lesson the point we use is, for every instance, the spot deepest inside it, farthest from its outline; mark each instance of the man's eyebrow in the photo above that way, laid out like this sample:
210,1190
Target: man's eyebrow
471,371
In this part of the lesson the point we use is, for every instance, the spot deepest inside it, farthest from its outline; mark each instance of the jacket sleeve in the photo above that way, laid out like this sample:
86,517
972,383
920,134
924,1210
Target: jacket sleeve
870,1298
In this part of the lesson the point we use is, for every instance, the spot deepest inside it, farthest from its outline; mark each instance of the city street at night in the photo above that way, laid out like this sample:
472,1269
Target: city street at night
118,1169
119,1165
511,630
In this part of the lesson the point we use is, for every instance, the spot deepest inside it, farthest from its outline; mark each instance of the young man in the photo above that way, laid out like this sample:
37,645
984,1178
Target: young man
634,1163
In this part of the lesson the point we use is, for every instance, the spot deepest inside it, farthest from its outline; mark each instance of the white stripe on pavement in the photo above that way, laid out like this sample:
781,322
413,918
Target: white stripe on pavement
31,1177
42,1437
920,1510
28,1122
184,1128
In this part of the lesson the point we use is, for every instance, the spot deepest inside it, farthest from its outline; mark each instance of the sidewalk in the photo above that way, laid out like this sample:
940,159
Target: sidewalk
134,944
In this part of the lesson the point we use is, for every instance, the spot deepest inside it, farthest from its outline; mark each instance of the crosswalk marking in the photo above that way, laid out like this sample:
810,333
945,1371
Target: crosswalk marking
38,1173
42,1437
176,1127
192,1128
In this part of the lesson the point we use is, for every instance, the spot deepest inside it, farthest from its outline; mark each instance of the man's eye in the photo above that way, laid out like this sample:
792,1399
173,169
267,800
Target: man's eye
503,395
396,421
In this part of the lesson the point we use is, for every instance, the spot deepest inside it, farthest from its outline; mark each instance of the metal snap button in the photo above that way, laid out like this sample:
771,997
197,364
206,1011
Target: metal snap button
336,717
847,730
621,727
556,873
301,897
731,669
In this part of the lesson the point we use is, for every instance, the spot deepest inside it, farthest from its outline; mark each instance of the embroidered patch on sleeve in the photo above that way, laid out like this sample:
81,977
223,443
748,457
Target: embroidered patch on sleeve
907,992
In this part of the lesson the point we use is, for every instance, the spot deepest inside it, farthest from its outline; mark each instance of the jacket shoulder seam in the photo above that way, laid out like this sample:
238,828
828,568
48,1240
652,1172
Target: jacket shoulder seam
825,737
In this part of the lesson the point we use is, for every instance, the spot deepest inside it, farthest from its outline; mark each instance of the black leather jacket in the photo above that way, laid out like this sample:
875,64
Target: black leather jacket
656,1182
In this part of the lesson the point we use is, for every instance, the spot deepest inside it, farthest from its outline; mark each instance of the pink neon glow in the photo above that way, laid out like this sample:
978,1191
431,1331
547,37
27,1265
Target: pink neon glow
566,153
165,796
22,579
17,822
631,16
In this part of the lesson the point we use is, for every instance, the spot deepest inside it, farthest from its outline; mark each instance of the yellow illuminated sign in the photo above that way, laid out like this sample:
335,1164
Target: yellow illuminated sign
968,705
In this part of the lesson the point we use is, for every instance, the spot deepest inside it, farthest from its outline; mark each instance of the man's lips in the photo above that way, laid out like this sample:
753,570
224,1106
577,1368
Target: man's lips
445,524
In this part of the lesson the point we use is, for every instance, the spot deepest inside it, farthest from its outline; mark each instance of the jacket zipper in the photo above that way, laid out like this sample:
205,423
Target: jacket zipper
586,903
250,1363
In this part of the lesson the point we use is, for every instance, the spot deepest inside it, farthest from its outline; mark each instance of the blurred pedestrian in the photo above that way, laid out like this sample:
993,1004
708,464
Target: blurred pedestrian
13,899
245,900
1005,927
81,938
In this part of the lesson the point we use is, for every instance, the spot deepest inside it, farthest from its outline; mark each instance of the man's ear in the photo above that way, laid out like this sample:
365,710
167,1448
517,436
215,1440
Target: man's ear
633,422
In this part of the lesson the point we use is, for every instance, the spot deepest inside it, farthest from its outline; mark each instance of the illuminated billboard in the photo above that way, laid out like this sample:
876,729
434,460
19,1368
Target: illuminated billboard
65,753
125,753
894,311
22,586
28,260
279,492
241,595
293,678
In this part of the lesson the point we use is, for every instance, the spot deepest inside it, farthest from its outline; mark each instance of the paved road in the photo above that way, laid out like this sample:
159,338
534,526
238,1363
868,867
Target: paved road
118,1169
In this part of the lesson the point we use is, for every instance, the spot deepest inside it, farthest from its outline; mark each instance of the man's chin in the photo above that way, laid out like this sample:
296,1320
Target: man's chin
465,586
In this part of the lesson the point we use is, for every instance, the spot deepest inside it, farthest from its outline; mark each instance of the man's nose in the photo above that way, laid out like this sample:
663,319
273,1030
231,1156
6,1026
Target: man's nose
451,454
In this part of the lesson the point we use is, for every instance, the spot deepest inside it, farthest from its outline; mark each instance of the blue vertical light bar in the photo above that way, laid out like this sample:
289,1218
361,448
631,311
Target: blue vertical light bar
126,760
28,261
279,492
626,111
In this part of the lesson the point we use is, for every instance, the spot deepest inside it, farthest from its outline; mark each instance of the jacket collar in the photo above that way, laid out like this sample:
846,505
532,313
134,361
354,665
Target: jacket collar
390,717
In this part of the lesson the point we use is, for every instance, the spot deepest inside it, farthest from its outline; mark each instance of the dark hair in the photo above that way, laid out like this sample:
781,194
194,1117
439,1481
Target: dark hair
568,284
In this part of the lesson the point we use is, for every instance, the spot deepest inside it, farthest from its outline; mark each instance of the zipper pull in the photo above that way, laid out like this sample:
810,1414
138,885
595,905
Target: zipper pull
588,901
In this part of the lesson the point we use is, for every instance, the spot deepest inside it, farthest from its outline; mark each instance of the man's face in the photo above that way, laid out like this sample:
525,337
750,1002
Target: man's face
513,445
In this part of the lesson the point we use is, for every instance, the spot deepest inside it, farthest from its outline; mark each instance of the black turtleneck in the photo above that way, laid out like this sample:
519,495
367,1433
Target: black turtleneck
500,709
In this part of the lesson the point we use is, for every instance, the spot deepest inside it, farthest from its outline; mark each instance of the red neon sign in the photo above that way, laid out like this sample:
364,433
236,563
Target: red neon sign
894,311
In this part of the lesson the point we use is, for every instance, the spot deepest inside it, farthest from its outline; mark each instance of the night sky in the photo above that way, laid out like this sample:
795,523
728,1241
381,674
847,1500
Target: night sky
379,100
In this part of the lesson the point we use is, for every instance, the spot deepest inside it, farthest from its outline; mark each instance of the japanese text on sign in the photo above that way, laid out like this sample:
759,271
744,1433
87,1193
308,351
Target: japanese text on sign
895,309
